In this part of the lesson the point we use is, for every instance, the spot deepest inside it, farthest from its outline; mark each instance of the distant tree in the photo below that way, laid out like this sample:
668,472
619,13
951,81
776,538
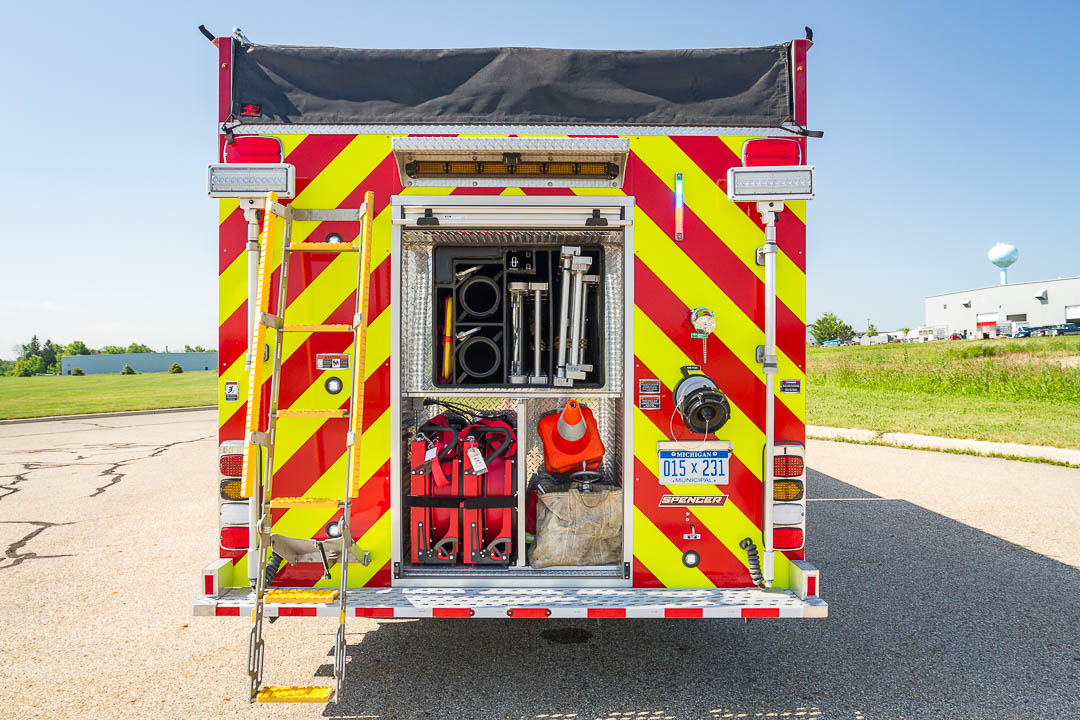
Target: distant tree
113,350
76,347
829,327
27,366
175,368
51,355
128,370
32,348
138,348
871,329
905,331
195,348
77,371
6,366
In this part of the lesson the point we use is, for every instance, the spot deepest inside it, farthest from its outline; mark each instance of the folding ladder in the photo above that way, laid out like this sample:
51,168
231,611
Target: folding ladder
258,464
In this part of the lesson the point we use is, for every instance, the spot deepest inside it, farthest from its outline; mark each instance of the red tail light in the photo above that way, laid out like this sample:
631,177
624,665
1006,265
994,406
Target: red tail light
234,538
771,151
253,149
785,466
787,538
231,465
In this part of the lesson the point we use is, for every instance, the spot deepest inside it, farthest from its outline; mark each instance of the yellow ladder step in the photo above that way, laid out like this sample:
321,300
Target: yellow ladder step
300,595
305,502
295,693
313,413
321,247
318,328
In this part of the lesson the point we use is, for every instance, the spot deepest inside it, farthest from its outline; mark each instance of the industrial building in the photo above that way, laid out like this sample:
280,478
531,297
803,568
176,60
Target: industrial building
1002,309
139,362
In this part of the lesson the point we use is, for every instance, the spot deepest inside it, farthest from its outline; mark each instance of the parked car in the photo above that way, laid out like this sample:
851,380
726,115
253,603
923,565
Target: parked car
1026,332
1064,329
956,336
1039,331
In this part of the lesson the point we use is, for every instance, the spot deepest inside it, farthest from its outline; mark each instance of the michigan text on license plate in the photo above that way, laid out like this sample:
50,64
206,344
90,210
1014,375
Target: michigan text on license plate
694,467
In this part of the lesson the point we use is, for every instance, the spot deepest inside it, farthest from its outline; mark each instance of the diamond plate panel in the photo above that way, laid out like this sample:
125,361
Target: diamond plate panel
417,255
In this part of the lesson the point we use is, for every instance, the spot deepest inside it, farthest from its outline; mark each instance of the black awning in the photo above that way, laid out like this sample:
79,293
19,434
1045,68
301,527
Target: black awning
716,87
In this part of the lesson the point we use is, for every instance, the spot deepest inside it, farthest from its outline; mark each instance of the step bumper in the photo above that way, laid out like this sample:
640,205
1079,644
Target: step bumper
415,602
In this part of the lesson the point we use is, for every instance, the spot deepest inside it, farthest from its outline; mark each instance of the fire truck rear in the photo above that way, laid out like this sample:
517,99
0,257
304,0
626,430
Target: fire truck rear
509,333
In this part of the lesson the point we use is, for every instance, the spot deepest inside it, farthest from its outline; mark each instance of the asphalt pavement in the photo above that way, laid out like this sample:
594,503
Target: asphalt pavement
953,586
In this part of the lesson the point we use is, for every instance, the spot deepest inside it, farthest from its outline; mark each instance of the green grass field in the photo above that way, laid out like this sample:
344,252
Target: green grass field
1025,390
69,395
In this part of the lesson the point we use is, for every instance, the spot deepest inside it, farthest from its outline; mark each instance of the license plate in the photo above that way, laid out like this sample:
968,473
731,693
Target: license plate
694,467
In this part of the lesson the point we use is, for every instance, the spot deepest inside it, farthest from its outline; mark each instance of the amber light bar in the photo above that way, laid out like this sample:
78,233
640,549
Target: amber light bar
457,168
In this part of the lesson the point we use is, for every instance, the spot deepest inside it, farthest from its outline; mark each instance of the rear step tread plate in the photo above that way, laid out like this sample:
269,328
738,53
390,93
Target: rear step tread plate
481,602
295,693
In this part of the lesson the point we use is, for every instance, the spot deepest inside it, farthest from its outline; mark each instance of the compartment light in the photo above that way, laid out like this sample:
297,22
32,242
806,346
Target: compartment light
236,180
752,184
678,206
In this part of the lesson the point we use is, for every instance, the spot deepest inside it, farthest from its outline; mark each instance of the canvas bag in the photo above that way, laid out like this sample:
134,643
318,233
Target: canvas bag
576,528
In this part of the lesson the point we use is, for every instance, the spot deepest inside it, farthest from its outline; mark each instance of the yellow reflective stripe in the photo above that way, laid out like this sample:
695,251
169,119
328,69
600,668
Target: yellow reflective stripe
232,289
703,196
664,358
226,207
662,558
289,143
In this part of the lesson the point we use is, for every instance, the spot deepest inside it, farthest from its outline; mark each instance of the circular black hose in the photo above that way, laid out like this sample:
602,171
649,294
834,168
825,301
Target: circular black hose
479,357
480,296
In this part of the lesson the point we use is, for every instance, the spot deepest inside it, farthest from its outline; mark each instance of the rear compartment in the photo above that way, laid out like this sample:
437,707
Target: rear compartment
543,299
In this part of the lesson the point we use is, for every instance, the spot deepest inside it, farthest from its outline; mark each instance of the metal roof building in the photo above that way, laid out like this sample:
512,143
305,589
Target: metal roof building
992,311
139,362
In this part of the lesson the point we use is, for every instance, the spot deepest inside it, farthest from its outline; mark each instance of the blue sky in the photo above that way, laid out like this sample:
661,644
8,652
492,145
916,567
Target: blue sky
948,127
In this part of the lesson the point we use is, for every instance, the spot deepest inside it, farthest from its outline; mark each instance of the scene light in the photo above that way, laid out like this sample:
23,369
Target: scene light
251,180
752,184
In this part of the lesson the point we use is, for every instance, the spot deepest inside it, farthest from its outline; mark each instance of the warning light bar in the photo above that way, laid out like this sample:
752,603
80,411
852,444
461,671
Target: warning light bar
751,184
456,168
235,180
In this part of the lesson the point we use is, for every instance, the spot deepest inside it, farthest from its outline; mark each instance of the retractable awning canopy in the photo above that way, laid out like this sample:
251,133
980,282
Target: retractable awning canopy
534,86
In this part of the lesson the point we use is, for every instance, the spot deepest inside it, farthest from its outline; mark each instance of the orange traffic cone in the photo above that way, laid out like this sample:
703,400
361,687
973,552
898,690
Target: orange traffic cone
571,438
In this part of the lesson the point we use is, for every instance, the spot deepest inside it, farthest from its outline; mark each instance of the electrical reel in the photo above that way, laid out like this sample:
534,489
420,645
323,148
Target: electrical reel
703,408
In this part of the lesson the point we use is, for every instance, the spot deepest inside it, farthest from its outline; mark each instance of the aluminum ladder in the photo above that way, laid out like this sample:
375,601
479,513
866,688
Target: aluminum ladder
259,446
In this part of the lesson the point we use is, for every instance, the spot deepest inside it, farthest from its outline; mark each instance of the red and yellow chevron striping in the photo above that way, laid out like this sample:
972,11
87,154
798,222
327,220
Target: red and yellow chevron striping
714,267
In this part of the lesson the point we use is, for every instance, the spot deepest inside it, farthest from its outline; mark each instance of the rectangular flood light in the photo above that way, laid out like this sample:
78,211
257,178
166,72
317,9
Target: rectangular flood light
236,180
751,184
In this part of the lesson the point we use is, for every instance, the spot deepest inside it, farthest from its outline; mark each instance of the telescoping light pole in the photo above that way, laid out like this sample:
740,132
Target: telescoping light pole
769,187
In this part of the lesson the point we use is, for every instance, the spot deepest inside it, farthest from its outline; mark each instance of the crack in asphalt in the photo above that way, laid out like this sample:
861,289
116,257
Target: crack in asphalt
12,551
10,487
111,472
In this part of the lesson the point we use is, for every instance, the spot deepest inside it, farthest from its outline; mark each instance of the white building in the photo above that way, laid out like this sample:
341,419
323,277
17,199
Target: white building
990,311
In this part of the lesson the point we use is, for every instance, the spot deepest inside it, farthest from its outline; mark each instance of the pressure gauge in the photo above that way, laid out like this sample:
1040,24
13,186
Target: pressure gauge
703,320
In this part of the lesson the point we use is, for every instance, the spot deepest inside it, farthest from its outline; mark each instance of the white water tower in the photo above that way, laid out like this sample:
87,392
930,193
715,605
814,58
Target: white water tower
1003,255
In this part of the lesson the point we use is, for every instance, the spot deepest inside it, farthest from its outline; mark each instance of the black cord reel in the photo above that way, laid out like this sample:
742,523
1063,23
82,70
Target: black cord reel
704,409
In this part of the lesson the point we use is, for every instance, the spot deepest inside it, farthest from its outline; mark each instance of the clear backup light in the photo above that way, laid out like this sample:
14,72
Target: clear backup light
752,184
234,180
